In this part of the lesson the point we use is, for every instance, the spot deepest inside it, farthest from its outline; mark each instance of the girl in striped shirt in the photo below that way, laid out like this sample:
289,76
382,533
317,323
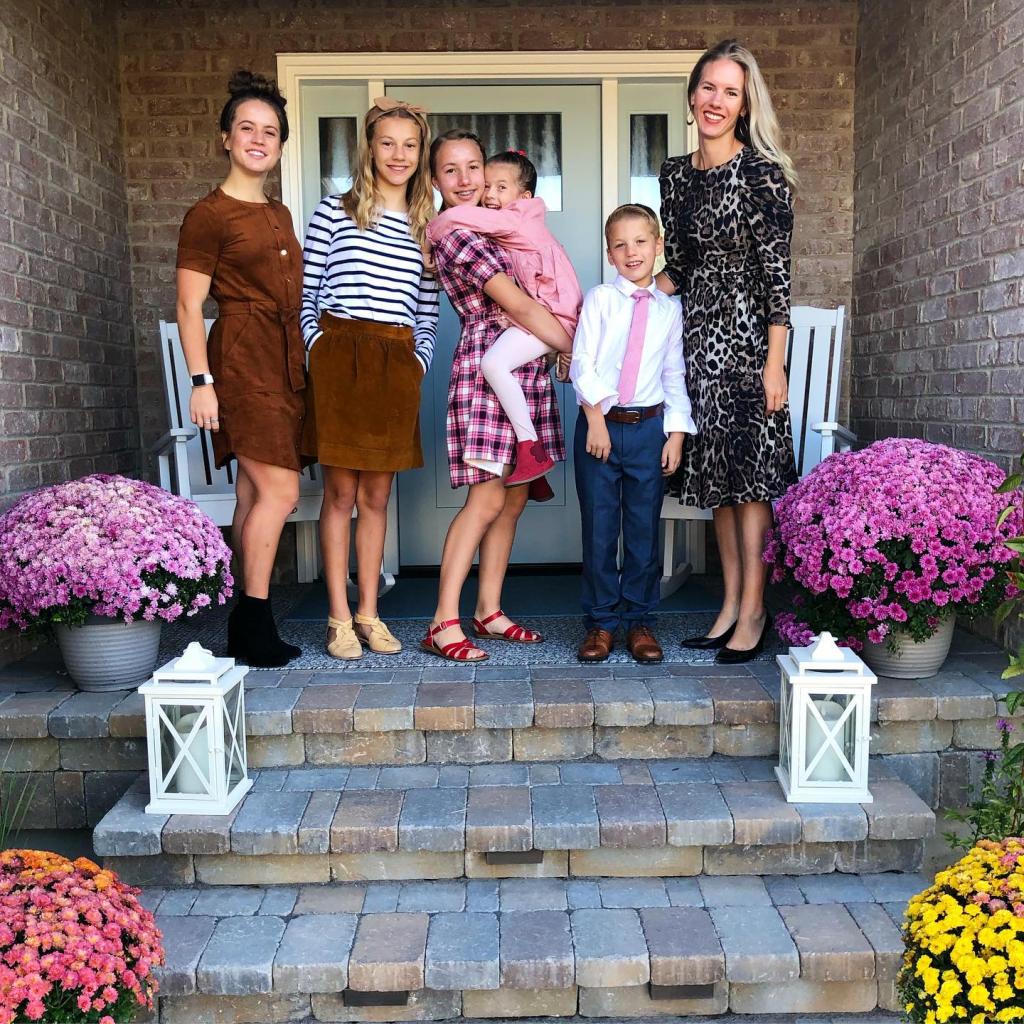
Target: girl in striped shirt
369,319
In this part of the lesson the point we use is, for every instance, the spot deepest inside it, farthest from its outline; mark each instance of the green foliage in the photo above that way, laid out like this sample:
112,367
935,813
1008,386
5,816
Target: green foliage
998,810
15,799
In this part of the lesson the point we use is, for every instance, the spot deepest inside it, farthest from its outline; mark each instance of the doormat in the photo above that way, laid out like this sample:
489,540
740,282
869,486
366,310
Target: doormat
562,635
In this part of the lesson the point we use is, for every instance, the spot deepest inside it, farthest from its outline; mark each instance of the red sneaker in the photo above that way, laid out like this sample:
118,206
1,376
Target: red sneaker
540,490
532,461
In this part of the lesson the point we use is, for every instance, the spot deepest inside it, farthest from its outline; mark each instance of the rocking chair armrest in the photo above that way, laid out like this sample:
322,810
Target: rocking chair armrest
845,437
174,436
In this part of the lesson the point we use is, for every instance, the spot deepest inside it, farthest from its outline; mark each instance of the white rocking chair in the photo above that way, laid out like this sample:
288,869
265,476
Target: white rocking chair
814,364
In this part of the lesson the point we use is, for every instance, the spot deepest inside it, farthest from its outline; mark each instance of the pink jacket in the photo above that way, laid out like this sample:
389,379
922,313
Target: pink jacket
541,265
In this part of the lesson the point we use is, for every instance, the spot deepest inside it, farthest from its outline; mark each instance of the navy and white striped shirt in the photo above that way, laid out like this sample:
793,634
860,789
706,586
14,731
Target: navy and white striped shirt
367,275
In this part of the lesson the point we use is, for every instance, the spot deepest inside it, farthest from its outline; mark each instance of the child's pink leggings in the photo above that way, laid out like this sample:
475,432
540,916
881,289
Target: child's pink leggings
511,349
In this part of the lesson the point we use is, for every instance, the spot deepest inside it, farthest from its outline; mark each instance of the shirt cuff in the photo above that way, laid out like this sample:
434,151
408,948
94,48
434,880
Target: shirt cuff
591,390
422,362
313,339
676,420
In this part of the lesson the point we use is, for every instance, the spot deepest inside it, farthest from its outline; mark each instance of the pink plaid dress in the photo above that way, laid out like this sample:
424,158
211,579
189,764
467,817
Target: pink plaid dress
477,425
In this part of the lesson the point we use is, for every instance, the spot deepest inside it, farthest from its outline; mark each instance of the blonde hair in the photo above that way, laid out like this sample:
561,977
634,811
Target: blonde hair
362,202
759,127
629,211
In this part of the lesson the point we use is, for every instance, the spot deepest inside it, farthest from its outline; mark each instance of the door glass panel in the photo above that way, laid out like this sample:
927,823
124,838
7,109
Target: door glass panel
337,154
648,150
537,135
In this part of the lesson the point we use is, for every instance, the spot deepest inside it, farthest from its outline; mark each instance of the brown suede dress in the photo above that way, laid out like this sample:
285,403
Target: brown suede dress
257,356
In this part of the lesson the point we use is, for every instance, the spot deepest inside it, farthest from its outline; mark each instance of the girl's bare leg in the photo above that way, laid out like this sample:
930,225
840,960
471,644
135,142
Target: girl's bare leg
371,530
340,489
495,550
275,492
484,505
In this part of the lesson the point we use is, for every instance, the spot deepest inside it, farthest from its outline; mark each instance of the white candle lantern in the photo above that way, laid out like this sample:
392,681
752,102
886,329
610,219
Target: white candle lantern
195,734
824,724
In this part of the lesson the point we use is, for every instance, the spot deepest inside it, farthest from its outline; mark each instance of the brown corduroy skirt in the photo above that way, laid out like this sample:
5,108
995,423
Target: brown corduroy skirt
363,397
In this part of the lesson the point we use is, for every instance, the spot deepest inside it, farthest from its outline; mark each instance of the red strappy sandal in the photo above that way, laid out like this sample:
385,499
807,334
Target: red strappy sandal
461,651
514,634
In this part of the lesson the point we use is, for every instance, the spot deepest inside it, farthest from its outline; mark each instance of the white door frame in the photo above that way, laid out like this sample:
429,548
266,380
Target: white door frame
595,67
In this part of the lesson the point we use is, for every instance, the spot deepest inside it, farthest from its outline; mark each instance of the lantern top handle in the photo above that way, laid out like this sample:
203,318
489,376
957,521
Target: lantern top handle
823,656
197,659
824,648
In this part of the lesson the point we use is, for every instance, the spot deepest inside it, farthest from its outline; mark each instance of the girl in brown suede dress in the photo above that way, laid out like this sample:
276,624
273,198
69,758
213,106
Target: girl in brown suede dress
239,247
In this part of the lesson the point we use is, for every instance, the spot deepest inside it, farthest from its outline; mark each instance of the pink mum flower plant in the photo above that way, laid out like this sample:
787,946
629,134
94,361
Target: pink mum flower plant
892,537
75,943
107,545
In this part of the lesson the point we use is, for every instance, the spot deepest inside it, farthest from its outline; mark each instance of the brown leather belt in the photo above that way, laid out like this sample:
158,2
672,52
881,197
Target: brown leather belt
616,414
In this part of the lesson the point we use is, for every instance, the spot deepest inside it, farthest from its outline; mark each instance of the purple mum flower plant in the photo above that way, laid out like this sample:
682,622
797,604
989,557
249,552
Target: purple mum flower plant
107,545
894,536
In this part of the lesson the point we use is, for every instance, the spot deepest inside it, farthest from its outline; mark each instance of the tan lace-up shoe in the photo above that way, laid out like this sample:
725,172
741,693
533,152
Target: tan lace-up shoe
342,641
375,635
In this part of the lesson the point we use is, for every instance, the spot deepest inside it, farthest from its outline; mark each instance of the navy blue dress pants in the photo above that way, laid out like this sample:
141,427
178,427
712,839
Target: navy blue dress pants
621,497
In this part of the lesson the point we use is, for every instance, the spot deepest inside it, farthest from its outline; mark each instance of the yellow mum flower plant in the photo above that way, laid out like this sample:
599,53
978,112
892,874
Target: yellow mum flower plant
964,939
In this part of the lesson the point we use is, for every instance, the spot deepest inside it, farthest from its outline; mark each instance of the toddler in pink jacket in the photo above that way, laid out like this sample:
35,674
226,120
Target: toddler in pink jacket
515,220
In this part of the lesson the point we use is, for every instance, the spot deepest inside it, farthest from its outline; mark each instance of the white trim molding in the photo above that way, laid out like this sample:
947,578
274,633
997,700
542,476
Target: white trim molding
605,68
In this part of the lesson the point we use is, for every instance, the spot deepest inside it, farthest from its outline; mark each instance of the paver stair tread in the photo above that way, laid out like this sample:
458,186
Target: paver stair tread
530,934
283,703
510,807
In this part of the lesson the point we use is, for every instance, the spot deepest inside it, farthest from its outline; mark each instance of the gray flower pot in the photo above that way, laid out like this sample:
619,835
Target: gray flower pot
108,654
911,660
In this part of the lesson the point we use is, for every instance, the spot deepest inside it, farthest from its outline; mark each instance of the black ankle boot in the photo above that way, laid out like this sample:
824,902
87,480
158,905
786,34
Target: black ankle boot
253,636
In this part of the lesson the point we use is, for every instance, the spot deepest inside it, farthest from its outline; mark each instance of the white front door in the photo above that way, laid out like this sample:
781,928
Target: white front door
559,128
591,142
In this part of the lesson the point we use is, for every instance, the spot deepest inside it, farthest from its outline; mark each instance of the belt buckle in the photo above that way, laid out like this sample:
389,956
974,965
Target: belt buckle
632,415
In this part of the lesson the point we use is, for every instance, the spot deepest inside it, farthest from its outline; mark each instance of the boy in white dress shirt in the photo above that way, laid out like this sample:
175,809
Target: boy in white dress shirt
628,373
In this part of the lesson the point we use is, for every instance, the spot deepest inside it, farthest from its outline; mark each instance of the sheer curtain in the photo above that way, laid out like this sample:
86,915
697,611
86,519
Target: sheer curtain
648,150
337,154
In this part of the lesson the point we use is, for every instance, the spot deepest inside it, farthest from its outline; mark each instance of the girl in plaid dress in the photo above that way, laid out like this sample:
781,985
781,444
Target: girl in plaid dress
477,276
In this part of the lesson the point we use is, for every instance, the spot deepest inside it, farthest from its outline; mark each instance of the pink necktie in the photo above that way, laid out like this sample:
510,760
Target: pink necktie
634,348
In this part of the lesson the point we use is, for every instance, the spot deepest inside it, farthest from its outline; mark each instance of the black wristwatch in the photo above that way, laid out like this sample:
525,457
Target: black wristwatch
199,379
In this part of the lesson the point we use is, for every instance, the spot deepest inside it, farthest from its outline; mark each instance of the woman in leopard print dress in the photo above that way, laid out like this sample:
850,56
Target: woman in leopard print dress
728,217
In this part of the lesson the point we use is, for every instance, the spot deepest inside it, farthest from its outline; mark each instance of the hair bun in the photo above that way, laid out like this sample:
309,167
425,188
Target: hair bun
251,84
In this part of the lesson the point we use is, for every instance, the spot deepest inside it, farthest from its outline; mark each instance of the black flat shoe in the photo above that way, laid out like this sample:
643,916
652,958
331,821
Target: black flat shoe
730,656
708,643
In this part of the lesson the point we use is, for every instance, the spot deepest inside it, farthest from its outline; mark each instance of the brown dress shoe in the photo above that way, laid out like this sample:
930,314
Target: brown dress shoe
596,646
644,646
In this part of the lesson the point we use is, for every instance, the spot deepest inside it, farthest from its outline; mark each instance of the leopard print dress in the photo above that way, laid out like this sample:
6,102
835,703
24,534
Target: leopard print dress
727,245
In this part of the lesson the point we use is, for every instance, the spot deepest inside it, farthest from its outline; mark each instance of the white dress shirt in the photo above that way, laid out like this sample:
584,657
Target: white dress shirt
600,347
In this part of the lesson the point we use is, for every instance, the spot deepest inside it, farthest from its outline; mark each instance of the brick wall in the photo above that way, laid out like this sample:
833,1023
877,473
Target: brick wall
938,322
176,57
67,375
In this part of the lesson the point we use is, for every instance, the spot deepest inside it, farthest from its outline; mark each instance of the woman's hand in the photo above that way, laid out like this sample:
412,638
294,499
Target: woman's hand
203,408
776,388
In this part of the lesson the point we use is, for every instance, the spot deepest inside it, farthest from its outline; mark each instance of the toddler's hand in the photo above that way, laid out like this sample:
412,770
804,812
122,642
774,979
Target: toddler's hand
672,453
599,442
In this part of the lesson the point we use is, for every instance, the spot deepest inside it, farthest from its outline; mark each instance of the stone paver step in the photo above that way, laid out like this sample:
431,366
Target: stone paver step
517,945
514,808
360,716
